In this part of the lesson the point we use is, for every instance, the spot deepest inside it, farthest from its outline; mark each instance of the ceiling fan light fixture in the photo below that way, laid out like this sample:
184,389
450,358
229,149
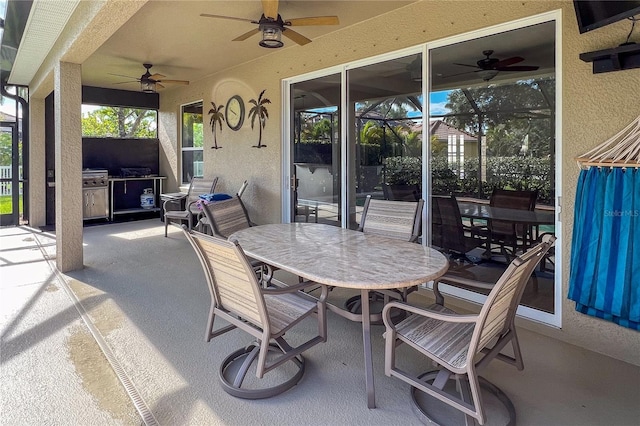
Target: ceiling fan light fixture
148,86
271,37
487,75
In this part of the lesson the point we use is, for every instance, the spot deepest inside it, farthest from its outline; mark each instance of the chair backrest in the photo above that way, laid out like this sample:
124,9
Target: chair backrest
401,192
232,281
227,216
199,186
519,200
243,187
395,219
499,310
448,231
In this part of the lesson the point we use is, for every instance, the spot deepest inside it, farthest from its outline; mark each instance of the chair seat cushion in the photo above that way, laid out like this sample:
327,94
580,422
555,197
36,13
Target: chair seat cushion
286,309
177,214
448,342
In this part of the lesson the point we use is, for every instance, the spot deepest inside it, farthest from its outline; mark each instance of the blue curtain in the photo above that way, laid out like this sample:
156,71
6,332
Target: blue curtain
605,251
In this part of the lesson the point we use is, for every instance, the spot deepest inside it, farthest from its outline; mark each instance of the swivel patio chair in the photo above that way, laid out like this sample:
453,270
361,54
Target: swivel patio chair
225,217
265,313
394,219
462,346
184,208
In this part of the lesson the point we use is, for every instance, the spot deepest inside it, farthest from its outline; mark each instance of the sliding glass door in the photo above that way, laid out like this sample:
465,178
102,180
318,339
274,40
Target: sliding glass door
481,117
315,171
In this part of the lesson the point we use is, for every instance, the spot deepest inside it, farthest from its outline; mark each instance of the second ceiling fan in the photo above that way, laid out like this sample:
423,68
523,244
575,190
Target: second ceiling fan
489,67
273,26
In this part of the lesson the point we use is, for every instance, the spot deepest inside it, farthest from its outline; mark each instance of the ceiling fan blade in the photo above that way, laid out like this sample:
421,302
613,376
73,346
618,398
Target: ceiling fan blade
314,20
128,82
518,68
156,76
466,65
183,82
246,35
126,76
294,36
508,61
159,85
270,8
207,15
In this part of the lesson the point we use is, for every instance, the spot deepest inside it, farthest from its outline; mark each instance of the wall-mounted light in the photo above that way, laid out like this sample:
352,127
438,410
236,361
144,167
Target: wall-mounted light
271,36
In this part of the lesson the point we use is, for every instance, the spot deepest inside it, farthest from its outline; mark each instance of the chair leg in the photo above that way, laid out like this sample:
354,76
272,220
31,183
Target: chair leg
166,225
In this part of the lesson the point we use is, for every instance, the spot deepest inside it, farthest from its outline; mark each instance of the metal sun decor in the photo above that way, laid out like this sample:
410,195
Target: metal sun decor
217,117
260,112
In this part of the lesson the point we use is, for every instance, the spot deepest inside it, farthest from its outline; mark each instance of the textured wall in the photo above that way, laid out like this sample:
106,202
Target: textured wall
594,107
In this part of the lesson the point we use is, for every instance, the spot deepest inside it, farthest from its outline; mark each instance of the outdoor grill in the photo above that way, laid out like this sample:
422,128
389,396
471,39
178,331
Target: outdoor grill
95,183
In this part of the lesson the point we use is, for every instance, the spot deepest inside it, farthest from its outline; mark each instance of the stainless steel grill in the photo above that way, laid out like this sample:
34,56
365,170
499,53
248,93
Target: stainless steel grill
94,178
95,183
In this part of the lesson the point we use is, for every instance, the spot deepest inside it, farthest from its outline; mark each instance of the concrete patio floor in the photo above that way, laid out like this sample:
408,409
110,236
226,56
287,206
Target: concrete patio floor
145,298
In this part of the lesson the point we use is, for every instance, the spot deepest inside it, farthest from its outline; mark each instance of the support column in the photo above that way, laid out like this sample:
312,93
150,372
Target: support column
37,167
68,145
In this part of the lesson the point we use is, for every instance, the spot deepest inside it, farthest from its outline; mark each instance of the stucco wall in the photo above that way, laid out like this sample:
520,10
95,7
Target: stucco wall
594,107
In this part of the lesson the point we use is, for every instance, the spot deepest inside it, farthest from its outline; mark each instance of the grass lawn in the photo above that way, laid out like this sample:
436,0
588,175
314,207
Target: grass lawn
5,204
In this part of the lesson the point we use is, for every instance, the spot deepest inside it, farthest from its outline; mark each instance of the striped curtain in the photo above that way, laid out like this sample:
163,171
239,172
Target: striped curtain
605,251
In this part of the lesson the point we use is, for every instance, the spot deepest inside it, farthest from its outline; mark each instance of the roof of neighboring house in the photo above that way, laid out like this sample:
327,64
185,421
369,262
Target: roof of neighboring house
442,131
7,117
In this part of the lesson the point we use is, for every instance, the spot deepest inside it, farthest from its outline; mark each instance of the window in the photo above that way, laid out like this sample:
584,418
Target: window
192,136
490,123
100,121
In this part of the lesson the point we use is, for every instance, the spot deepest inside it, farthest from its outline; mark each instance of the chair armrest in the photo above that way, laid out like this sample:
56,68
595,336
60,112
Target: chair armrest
464,281
456,318
284,288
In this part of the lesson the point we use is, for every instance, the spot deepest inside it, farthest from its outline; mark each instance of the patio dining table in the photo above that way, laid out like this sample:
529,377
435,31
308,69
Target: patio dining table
344,258
533,218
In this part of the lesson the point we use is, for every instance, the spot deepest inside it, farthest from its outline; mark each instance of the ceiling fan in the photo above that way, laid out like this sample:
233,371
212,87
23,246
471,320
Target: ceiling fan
488,68
149,82
273,26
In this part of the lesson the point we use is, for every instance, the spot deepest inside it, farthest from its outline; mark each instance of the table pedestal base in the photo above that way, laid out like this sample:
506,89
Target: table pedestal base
499,409
237,374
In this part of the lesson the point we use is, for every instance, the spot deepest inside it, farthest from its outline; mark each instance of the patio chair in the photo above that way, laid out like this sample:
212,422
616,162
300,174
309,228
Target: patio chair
197,187
401,192
265,313
393,219
462,345
510,236
225,217
449,232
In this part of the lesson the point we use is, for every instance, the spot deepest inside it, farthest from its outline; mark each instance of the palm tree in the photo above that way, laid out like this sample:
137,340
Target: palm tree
260,111
216,117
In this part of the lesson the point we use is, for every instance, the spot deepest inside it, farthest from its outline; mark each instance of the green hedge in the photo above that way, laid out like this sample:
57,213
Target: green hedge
517,173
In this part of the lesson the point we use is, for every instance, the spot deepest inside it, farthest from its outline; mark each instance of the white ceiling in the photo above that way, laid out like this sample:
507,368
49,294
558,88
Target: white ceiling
182,45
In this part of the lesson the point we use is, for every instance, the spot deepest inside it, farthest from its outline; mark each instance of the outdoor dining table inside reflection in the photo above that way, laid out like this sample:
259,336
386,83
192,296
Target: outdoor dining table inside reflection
533,218
344,258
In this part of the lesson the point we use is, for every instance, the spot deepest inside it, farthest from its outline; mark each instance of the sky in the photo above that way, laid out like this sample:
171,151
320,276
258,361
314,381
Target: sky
438,100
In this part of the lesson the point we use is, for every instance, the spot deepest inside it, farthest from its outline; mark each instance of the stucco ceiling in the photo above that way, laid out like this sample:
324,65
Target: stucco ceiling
183,45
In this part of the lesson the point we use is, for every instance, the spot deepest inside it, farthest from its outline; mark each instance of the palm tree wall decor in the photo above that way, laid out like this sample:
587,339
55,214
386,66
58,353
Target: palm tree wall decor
216,118
260,112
